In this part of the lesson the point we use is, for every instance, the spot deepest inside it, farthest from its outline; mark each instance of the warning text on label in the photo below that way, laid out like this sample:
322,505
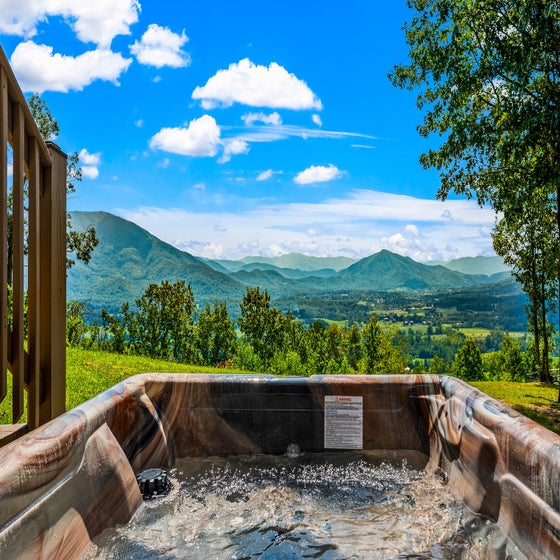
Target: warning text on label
344,422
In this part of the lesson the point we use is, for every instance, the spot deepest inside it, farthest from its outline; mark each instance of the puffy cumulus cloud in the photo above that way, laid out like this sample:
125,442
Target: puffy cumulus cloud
200,139
256,86
39,70
200,248
411,243
264,175
97,22
90,164
318,174
411,229
317,119
160,47
234,148
250,118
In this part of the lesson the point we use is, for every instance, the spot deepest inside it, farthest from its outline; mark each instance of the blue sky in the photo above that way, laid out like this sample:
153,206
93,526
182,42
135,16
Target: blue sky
242,128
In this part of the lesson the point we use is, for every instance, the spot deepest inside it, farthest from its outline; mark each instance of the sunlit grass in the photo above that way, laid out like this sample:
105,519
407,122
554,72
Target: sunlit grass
538,401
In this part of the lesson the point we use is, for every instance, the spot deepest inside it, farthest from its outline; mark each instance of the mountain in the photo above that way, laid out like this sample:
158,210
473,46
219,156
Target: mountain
475,265
128,259
294,261
389,271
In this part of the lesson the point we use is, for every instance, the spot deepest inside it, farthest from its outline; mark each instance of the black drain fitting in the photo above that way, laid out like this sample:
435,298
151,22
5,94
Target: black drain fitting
153,483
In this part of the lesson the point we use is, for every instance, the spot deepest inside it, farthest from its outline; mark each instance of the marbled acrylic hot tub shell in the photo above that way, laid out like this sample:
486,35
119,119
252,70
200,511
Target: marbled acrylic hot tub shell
64,483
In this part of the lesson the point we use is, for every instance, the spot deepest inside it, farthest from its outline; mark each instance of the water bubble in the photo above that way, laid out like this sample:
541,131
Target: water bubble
293,450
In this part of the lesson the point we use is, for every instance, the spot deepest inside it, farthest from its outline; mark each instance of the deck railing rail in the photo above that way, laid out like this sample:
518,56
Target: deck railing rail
32,263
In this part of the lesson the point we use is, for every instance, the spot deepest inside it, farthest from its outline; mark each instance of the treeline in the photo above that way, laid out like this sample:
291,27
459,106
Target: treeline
164,323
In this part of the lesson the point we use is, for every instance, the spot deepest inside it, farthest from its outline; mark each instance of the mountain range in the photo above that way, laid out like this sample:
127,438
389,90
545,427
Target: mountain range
128,259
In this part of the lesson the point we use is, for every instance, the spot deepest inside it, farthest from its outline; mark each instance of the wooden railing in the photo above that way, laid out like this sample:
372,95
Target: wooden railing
32,262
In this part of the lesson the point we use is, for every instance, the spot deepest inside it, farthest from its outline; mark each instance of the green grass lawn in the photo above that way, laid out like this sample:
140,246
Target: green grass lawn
538,401
90,372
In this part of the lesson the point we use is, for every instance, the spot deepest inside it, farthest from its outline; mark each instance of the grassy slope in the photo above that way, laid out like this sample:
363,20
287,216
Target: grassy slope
537,401
90,372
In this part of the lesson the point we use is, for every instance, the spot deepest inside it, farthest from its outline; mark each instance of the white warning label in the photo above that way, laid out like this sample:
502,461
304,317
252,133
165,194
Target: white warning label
344,422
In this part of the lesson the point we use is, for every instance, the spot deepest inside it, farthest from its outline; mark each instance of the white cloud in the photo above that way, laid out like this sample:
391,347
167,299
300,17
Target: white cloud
160,47
318,174
275,132
96,22
200,139
264,175
250,118
356,225
411,229
256,86
90,164
234,148
39,70
317,119
139,123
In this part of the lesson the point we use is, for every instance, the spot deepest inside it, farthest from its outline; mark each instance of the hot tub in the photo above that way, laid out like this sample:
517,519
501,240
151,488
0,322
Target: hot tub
64,483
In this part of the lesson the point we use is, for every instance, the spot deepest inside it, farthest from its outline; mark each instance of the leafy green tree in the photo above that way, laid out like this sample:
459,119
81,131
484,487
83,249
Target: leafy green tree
334,339
316,348
353,346
76,326
513,365
468,362
161,326
215,334
372,337
116,333
332,367
245,358
438,366
344,368
487,75
261,325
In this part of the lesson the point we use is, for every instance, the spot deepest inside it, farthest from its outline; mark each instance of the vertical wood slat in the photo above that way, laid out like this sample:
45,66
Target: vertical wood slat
33,279
52,295
18,244
4,94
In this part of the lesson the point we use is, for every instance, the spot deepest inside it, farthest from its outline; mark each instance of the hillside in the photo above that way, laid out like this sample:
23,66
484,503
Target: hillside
128,259
475,265
389,271
294,261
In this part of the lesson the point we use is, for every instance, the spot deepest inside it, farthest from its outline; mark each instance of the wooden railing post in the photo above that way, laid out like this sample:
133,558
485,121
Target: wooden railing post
52,216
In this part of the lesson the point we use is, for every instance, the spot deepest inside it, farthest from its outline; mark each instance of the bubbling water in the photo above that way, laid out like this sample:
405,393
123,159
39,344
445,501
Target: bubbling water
326,506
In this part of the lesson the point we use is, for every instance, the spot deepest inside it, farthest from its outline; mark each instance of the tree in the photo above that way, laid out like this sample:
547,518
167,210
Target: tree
372,336
261,325
438,366
215,334
513,365
161,326
79,243
353,346
527,243
468,362
488,75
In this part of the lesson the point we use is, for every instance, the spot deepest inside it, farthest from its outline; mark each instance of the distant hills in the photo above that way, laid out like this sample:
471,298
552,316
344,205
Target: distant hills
129,258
